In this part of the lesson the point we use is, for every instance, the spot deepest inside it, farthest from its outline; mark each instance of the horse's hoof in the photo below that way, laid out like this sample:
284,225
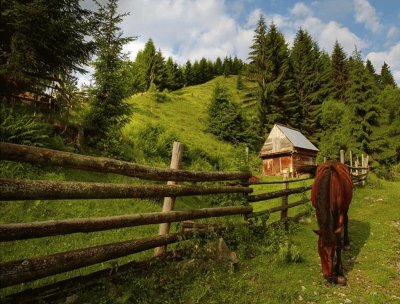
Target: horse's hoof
347,247
341,280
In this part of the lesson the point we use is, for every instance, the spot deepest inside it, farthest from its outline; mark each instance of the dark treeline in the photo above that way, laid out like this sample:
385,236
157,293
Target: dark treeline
337,101
151,71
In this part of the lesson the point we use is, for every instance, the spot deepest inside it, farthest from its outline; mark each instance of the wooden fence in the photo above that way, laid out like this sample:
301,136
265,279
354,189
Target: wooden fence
358,169
33,268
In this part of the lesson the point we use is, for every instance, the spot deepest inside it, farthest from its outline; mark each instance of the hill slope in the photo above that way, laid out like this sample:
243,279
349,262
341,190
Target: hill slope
182,115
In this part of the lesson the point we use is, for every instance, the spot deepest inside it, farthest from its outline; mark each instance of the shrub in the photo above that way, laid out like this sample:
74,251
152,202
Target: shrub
19,128
153,144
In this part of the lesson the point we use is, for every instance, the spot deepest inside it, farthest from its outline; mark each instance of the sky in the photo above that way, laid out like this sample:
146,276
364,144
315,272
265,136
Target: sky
192,29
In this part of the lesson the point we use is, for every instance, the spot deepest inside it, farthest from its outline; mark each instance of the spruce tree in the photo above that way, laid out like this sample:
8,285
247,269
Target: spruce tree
188,74
386,77
340,73
269,67
108,109
362,99
225,118
218,68
40,40
174,74
309,80
371,70
257,72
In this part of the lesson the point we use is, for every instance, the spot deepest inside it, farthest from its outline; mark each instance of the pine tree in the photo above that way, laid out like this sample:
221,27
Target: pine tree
41,39
340,74
371,70
218,68
175,79
386,77
188,74
269,68
362,98
308,84
151,67
225,119
108,109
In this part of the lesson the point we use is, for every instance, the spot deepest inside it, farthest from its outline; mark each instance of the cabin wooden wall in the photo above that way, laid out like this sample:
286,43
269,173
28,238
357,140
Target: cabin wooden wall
278,165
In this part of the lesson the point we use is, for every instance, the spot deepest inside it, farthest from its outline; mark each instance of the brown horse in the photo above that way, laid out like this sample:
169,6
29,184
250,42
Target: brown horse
331,196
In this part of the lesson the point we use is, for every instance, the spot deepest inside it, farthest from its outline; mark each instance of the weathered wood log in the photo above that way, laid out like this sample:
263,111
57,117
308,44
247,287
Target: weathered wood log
48,157
25,270
279,182
52,292
20,231
279,208
359,175
191,224
12,189
359,168
275,194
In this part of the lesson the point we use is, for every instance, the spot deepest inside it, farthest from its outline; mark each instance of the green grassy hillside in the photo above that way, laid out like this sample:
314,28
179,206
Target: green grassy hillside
182,115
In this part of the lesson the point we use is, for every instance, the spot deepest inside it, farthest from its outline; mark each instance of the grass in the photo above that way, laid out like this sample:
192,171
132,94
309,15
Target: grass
262,276
372,266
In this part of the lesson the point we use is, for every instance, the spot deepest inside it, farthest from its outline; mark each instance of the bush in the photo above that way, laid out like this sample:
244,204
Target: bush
20,128
153,144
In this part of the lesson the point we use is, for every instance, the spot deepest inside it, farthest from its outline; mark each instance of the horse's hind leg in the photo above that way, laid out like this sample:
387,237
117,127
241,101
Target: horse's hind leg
346,241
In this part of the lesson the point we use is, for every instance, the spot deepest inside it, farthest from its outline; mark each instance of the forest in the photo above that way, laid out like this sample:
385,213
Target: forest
337,100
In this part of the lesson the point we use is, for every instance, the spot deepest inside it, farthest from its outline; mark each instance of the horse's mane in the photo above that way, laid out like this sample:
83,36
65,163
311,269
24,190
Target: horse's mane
324,212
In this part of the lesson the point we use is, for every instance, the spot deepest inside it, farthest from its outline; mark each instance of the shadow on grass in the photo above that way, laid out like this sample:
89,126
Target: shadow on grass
359,233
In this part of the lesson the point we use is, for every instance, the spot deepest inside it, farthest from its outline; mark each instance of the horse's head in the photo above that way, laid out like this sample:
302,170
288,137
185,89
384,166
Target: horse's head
327,242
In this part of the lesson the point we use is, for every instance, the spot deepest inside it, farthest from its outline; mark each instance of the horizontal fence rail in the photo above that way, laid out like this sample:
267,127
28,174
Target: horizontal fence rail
275,194
279,208
13,189
25,270
280,182
48,157
22,231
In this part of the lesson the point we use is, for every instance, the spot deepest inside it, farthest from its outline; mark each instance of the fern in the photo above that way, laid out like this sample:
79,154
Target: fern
22,128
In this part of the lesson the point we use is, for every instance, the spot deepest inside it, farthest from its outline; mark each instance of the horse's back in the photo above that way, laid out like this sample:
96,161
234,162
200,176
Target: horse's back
341,188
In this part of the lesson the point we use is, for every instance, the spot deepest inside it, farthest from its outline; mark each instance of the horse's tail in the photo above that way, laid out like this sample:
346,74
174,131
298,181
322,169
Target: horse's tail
325,216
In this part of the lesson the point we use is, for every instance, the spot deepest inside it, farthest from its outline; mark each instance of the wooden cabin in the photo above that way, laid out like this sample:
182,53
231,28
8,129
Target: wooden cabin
286,148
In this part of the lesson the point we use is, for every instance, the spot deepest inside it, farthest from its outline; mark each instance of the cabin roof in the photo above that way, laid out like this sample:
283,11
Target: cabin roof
297,138
284,139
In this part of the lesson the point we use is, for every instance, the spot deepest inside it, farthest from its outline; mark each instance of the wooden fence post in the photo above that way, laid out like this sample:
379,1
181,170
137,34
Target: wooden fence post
351,161
169,202
284,212
342,156
356,163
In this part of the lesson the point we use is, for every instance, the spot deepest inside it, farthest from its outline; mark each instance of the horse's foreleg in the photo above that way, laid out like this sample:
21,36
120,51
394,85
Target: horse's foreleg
346,241
338,266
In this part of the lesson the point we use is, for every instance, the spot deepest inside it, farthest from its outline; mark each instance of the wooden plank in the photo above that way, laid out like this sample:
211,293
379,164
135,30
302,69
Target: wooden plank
21,231
25,270
280,182
12,189
50,157
279,208
169,202
280,193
